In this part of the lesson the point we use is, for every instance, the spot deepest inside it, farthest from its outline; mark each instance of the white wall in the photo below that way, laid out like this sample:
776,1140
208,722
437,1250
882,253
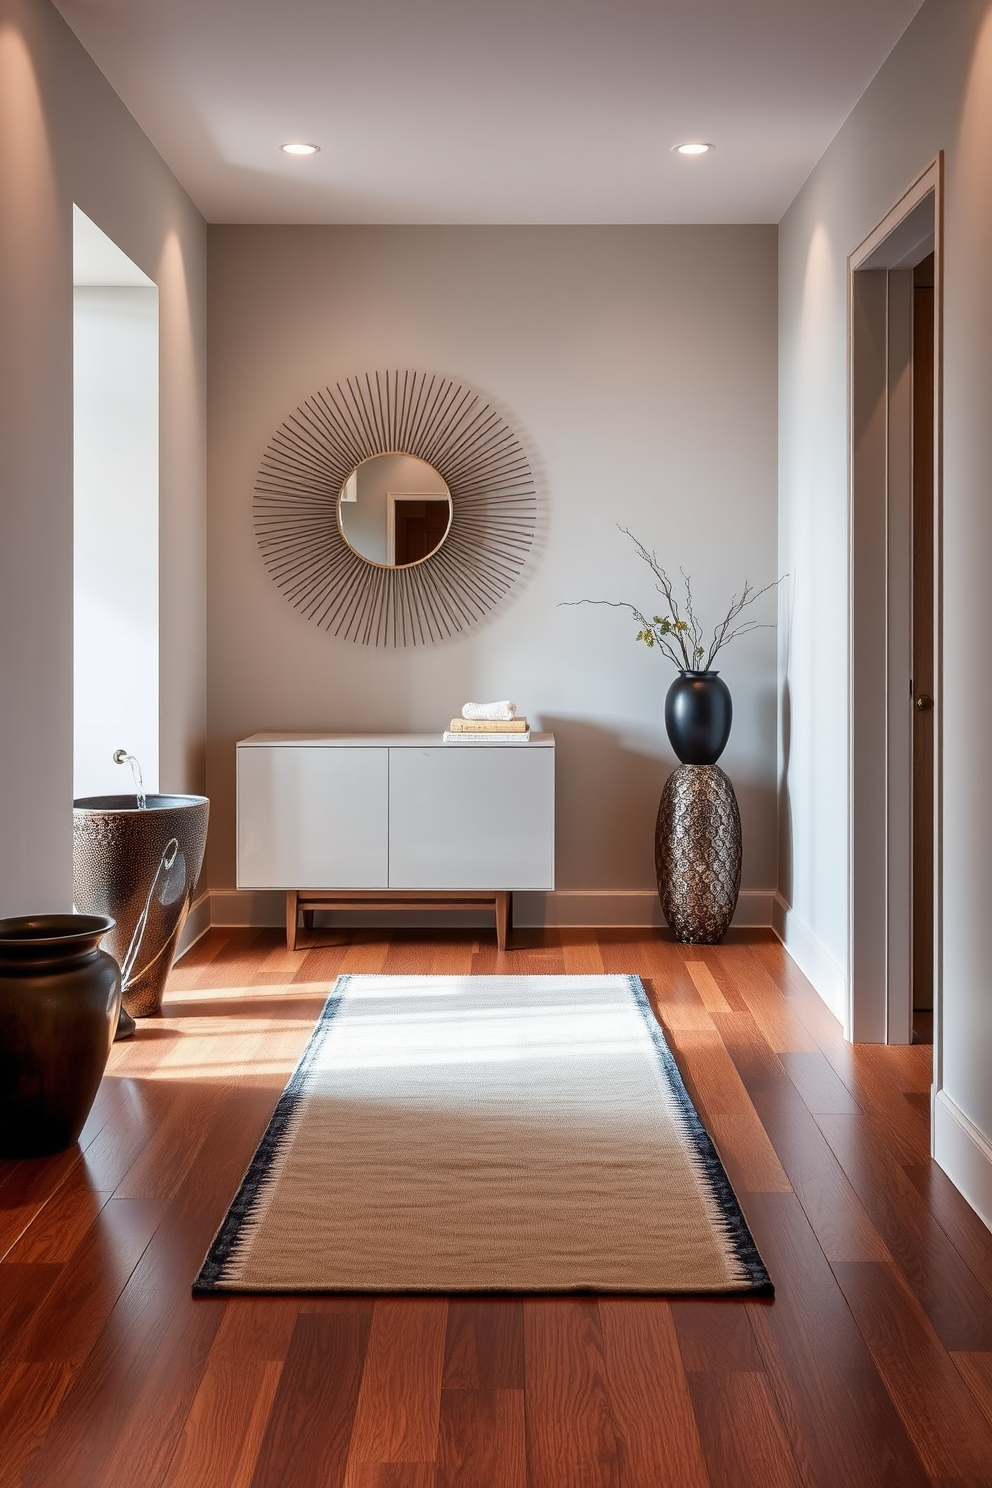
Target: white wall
934,93
115,537
65,137
638,366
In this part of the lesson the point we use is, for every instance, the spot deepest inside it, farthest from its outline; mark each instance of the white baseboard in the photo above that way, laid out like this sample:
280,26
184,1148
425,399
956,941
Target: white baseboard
964,1153
621,908
813,959
198,922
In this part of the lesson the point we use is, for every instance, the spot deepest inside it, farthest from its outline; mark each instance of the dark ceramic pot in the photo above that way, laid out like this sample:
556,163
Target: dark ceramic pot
59,999
140,866
698,715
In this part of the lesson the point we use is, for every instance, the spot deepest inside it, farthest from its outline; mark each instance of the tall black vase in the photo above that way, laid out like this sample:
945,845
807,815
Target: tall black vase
698,715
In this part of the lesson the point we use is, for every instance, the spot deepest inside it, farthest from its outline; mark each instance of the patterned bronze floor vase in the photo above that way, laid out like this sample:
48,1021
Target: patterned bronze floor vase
140,866
698,853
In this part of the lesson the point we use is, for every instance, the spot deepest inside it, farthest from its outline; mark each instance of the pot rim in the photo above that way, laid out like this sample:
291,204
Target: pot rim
99,805
26,931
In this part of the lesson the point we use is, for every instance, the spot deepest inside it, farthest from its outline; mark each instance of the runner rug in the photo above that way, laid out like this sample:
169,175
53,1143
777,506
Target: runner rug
485,1133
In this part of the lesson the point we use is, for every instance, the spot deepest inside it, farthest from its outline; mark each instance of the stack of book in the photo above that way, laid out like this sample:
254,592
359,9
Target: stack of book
487,731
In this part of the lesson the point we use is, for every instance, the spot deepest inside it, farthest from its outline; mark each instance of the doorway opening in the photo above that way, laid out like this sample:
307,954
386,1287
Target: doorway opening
115,515
895,462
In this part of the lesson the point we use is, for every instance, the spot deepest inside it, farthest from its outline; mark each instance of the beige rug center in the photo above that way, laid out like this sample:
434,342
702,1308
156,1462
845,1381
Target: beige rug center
479,1133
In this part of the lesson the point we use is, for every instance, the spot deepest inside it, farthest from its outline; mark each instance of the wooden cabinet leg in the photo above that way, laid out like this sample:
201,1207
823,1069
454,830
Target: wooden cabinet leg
291,918
504,917
308,919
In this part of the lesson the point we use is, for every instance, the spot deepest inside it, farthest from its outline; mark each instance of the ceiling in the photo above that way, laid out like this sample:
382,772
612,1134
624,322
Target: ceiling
490,111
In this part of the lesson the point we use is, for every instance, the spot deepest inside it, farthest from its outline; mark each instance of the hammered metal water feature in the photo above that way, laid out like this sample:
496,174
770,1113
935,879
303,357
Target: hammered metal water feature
698,853
140,866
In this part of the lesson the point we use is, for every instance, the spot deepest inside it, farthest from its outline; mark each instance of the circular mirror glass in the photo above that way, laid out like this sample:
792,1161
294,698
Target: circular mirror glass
394,510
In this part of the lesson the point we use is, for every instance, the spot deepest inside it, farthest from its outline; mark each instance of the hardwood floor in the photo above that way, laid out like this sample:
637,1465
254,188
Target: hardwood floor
872,1366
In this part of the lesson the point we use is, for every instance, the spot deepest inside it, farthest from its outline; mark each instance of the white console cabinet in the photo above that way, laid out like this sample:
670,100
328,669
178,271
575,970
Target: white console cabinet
397,819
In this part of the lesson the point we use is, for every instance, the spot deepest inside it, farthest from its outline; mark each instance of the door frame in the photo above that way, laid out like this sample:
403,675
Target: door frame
879,980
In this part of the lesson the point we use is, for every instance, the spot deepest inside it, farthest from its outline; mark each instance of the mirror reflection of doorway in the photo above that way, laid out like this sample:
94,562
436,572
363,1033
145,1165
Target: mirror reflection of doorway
419,527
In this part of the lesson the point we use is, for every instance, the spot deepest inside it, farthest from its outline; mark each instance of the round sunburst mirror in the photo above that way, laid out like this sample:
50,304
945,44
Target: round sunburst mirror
461,492
394,510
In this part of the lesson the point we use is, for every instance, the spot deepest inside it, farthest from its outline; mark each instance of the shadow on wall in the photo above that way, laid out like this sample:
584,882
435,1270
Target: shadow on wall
606,803
785,802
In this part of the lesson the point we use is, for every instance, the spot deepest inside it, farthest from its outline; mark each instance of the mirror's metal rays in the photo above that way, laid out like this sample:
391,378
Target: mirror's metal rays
476,455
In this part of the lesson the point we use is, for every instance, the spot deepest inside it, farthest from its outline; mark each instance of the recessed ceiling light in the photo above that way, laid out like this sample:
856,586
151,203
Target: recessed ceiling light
696,147
294,148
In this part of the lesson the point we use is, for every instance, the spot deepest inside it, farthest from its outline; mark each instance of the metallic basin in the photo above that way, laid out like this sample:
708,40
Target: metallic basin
140,867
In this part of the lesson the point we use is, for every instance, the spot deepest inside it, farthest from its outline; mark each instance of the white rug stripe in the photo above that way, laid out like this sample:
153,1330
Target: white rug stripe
470,1133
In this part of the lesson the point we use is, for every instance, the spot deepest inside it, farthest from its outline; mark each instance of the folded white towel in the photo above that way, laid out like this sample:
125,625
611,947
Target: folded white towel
491,711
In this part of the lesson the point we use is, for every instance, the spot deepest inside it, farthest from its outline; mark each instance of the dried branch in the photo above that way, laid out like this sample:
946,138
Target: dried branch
677,633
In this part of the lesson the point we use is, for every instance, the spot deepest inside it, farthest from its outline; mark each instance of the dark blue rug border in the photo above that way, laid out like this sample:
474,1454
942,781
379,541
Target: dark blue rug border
758,1283
736,1226
243,1204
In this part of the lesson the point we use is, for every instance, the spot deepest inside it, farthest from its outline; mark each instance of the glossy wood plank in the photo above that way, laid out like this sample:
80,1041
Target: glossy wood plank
223,1432
558,1390
484,1344
708,988
149,1432
838,1218
715,1336
656,1428
751,1161
392,1475
483,1439
840,1421
976,1371
30,1397
428,956
309,1427
949,1431
821,1088
23,1291
581,952
748,1048
60,1224
703,1056
399,1404
960,1223
78,1305
254,1328
85,1432
26,1191
571,1435
959,1309
743,1440
783,1028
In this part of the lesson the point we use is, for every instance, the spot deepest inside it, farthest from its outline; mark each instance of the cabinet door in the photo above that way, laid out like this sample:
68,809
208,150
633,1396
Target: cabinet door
471,817
312,818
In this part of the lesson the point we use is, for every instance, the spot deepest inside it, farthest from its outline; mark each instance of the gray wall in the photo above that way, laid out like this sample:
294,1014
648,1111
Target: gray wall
934,93
65,137
638,366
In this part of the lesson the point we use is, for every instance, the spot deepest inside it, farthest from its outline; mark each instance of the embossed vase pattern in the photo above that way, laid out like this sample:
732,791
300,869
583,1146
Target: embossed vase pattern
698,853
140,867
